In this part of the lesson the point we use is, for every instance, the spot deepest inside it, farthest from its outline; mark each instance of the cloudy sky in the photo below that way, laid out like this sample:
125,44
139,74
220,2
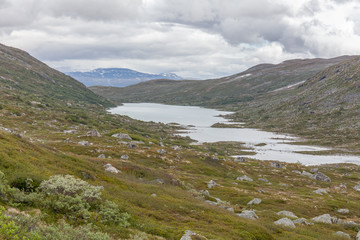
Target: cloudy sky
193,38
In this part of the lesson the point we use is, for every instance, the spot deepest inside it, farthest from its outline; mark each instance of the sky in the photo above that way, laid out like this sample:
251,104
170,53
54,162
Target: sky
196,39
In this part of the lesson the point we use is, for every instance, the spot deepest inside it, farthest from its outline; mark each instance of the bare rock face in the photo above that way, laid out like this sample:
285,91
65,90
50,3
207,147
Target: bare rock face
121,136
285,222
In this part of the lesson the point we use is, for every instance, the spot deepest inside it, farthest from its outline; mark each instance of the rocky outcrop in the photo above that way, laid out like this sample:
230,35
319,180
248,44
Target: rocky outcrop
325,218
121,136
93,133
244,178
190,235
321,177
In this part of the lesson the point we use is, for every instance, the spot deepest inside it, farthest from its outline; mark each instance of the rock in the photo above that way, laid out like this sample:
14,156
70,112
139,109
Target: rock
188,236
343,210
296,171
154,195
132,145
255,201
176,148
84,143
342,234
321,177
321,191
121,136
87,176
211,184
302,221
314,170
341,188
276,165
67,140
159,181
358,236
325,218
110,168
161,151
287,214
205,192
244,178
93,133
263,180
102,156
285,222
249,214
239,159
307,174
124,157
70,131
357,187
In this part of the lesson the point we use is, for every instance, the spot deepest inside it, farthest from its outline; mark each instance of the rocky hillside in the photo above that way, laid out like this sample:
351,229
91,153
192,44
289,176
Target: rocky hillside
242,87
22,76
118,77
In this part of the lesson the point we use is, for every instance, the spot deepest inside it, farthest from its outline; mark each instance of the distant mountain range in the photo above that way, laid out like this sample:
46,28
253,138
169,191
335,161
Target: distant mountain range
118,77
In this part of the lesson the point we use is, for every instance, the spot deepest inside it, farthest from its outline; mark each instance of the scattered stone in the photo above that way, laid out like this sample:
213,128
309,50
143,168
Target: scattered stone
102,156
159,181
154,195
122,136
124,157
87,176
325,218
357,187
67,140
276,165
343,210
321,177
93,133
287,214
285,222
132,145
321,191
284,184
70,131
261,190
342,234
255,201
302,221
110,168
244,178
239,159
358,236
263,180
212,183
161,151
341,188
296,171
314,170
249,214
84,143
205,192
188,236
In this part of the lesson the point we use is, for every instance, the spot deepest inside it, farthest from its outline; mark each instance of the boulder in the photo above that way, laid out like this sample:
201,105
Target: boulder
307,174
314,170
276,165
124,157
287,214
244,178
176,148
132,145
358,236
321,191
263,180
102,156
154,195
188,236
357,187
159,181
212,184
93,133
285,222
342,234
255,201
121,136
161,151
249,214
325,218
110,168
321,177
84,143
343,210
239,159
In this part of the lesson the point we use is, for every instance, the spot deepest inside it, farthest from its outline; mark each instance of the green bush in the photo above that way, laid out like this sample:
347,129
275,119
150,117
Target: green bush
110,213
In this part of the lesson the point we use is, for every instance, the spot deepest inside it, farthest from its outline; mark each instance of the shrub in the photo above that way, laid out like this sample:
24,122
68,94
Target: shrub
110,213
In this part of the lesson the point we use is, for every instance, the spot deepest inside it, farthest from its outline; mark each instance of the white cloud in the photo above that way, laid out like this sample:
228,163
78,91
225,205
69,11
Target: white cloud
202,38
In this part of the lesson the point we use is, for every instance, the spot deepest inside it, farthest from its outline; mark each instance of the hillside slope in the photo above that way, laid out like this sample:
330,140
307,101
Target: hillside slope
242,87
22,75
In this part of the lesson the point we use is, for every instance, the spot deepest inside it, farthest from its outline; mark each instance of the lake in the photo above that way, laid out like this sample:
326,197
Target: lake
276,146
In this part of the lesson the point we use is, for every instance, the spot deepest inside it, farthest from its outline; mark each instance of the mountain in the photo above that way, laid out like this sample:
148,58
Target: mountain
226,91
118,77
24,77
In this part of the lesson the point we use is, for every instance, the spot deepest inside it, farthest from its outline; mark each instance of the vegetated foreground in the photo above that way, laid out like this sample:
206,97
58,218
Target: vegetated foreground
70,170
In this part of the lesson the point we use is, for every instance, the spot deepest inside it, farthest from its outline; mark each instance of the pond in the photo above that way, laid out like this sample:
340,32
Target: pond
272,146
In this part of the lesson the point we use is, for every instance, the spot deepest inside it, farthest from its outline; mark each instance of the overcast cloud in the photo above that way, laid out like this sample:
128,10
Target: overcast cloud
193,38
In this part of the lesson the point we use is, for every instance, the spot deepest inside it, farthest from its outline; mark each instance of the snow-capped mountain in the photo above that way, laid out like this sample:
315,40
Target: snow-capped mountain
117,77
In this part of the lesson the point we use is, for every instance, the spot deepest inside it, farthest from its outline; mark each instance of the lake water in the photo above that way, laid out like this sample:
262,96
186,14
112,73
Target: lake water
276,146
